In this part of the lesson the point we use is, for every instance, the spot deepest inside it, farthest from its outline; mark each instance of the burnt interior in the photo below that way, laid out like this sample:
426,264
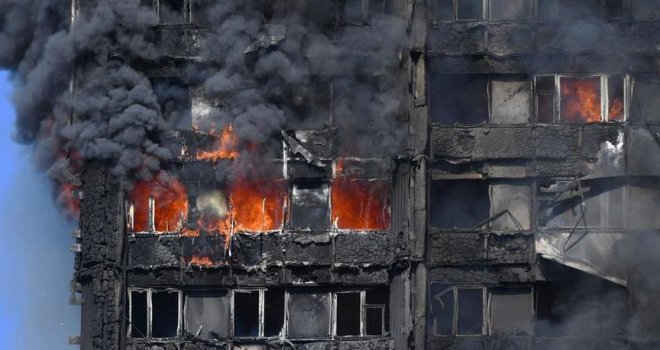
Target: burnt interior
481,184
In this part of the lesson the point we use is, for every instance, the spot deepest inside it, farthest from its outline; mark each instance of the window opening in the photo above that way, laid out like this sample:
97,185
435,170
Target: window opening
154,313
246,314
348,314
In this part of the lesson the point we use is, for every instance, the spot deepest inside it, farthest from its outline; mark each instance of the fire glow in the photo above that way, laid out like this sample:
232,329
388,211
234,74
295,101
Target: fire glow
225,147
581,101
257,206
168,200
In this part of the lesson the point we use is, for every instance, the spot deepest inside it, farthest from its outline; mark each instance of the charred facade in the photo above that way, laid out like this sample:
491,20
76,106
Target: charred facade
366,174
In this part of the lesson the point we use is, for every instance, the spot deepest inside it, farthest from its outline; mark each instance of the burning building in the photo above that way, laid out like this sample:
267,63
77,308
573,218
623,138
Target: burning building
350,174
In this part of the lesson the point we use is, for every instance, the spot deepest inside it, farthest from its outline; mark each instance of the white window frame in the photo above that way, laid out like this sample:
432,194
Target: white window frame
150,292
604,96
334,317
261,312
151,219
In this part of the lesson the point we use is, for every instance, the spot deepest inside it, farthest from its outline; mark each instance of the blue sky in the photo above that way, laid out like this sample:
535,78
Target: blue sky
36,264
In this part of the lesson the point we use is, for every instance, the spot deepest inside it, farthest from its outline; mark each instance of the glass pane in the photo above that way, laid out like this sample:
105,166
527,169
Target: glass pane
470,9
246,314
309,316
545,83
207,314
580,100
511,311
165,314
470,311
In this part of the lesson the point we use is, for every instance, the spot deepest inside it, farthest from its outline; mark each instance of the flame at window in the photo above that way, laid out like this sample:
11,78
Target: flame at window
225,146
581,100
257,205
359,204
163,200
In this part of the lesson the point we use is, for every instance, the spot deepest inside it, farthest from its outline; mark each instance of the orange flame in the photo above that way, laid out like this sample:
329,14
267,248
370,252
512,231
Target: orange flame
359,204
170,204
616,109
580,100
225,149
201,261
68,197
257,204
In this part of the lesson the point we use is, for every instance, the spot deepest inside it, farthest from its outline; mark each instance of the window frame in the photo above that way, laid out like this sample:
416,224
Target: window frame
604,97
487,321
489,79
187,12
150,291
261,313
484,314
334,318
489,318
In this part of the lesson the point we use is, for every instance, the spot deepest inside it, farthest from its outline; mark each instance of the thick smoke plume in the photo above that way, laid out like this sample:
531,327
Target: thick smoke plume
79,97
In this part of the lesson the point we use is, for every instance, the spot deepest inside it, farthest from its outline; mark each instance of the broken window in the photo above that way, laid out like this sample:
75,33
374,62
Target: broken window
377,312
273,312
246,313
158,205
258,313
562,204
510,206
154,313
348,314
459,98
459,204
165,319
457,310
309,315
511,311
361,204
207,314
510,101
645,105
138,314
580,99
174,11
510,9
310,206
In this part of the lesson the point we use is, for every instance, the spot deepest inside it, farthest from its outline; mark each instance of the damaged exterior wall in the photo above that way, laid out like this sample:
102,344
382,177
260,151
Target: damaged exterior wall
475,286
